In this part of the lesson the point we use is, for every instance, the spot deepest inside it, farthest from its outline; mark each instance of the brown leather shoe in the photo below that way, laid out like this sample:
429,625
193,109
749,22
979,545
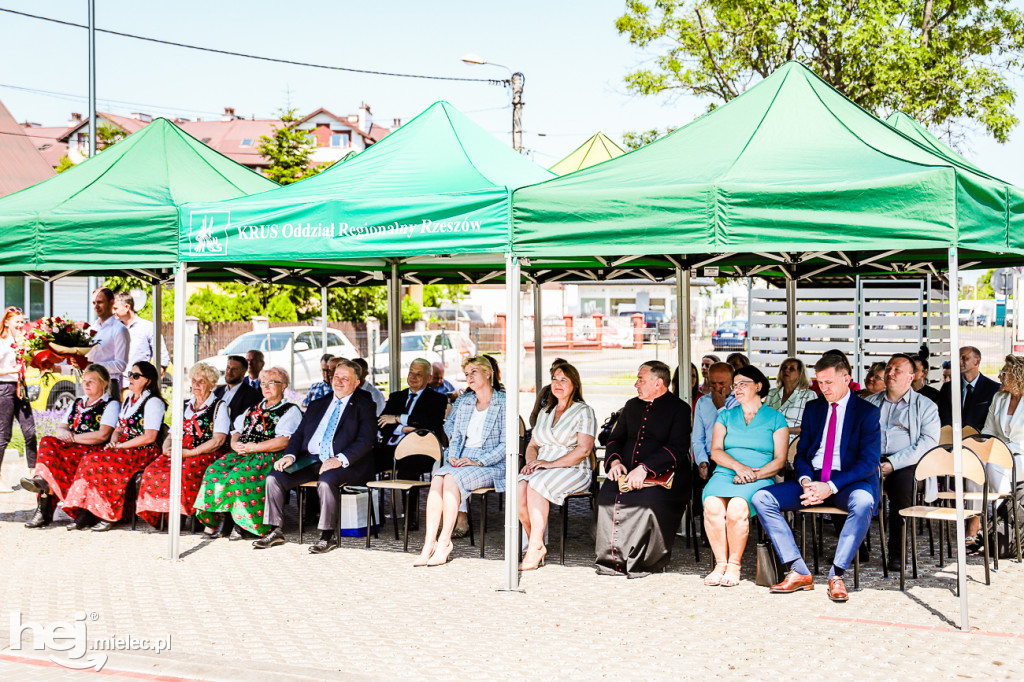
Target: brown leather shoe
792,583
837,590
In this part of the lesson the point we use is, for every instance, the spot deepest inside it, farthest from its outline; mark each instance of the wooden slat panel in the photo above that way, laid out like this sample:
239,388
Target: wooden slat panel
891,334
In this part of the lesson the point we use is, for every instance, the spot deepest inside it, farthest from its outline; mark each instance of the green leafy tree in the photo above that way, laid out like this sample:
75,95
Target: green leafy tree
64,163
436,294
290,151
943,62
107,135
985,290
635,140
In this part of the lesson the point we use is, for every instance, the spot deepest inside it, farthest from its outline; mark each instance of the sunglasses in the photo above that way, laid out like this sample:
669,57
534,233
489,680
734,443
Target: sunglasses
14,309
135,375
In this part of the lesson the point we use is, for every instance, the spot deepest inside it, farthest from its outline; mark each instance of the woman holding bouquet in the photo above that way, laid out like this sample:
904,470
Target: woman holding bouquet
88,424
12,404
96,496
233,490
205,431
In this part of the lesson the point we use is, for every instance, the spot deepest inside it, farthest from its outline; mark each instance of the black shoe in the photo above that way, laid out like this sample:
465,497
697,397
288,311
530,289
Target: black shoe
893,564
324,546
43,515
226,528
103,526
36,484
274,537
84,520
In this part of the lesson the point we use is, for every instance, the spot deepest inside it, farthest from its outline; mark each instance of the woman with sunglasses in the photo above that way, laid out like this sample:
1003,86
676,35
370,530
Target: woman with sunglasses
96,497
233,490
12,403
88,424
749,445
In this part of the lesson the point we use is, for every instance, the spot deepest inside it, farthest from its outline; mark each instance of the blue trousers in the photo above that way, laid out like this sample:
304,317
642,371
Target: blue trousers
856,499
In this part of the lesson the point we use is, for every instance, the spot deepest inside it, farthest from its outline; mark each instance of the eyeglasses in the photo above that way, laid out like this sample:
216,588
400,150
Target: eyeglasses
264,384
135,375
738,384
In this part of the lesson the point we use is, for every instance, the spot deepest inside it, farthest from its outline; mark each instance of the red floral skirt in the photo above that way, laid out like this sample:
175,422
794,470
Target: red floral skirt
102,478
58,461
154,491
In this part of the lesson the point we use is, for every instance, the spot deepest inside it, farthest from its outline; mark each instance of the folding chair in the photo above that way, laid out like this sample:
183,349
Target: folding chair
590,492
421,442
993,451
939,462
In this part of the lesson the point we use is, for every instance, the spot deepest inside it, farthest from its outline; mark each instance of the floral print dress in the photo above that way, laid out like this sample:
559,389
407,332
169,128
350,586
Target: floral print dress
58,461
154,491
236,483
103,475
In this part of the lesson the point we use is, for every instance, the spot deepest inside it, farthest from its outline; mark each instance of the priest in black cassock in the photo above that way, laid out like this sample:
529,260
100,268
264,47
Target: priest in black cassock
649,444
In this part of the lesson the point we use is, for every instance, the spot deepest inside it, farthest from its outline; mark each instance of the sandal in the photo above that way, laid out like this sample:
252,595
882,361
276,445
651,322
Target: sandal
728,580
714,579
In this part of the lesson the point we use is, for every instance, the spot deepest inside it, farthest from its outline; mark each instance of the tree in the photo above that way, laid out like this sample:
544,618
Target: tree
289,150
107,135
943,62
64,163
985,290
436,294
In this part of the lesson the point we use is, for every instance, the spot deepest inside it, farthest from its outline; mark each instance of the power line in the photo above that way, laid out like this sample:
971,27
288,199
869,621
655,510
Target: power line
252,56
78,98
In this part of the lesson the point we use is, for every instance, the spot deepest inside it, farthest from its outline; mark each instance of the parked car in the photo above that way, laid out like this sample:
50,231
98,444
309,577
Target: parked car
56,392
730,335
653,319
448,347
297,349
452,315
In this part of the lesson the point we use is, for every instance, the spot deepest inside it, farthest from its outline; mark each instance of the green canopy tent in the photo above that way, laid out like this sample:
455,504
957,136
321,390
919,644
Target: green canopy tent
429,202
595,150
121,204
789,177
918,133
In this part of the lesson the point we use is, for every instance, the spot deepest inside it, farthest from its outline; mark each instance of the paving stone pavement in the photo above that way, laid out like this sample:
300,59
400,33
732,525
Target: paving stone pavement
236,613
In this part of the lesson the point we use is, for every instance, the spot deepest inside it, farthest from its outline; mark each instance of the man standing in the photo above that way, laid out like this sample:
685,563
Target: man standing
141,333
909,425
112,340
256,362
368,386
237,393
976,392
333,446
837,465
636,524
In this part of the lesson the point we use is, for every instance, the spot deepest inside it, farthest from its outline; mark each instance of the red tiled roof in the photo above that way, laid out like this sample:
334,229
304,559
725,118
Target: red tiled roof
226,137
48,141
377,133
21,164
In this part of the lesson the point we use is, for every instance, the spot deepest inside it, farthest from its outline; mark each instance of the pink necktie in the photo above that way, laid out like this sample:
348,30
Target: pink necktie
830,444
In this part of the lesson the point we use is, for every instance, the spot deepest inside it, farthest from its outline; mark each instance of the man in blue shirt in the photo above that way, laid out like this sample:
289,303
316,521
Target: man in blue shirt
439,383
720,398
320,388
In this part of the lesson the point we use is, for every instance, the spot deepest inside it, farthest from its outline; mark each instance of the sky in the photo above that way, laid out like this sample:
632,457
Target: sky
572,57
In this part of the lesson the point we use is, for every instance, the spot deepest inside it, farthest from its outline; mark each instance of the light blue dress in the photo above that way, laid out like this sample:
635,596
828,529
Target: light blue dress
750,444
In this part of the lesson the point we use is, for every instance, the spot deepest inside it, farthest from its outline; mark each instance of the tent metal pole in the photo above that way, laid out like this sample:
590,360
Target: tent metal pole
177,411
538,338
158,314
958,442
92,78
683,332
512,346
323,316
394,329
790,317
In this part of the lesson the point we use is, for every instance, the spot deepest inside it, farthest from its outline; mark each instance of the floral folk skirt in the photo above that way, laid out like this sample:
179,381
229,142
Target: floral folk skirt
236,485
154,491
57,463
102,478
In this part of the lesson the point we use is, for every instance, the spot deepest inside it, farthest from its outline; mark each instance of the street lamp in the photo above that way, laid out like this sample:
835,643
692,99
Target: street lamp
514,81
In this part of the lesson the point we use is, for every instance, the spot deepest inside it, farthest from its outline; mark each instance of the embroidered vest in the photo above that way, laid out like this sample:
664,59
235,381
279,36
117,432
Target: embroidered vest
84,419
198,428
261,422
131,426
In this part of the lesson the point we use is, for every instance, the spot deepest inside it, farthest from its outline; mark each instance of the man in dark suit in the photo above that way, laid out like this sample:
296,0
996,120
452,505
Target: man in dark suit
836,465
236,392
976,392
332,446
413,408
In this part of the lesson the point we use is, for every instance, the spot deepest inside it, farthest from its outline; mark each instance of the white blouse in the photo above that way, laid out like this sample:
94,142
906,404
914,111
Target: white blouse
8,358
110,412
286,425
221,420
152,418
475,430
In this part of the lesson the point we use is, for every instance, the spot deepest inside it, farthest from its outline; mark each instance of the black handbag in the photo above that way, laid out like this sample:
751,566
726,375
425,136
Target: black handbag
768,566
606,429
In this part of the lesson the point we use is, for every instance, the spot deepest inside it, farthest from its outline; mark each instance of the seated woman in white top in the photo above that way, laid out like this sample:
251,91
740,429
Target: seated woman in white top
1005,421
96,497
791,394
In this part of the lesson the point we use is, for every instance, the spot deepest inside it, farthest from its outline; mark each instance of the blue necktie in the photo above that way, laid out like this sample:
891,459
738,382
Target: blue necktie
327,443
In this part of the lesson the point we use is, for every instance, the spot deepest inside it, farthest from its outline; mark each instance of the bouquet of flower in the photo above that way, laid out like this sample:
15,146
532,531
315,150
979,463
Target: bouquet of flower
52,340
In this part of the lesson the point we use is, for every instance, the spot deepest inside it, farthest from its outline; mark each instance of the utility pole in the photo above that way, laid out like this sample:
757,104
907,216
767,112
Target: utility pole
92,78
516,82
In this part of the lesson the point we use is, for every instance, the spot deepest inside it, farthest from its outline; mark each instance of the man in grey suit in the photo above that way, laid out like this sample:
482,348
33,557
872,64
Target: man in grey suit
909,424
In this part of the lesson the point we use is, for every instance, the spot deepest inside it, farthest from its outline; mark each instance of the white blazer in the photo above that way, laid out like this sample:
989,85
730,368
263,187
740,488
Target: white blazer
1009,429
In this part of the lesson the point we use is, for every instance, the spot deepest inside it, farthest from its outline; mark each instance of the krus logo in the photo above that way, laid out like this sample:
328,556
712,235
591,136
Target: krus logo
208,233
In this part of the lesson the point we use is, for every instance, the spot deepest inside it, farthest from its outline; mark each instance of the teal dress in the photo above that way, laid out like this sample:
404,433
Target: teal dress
749,444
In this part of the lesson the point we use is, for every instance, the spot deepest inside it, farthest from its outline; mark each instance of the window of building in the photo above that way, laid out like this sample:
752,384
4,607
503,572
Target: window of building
340,140
247,142
14,291
312,139
36,299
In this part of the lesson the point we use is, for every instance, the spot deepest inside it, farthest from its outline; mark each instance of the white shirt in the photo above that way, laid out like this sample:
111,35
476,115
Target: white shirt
229,393
475,430
286,425
317,438
963,387
142,343
221,420
8,358
152,418
111,349
110,413
403,419
377,396
818,461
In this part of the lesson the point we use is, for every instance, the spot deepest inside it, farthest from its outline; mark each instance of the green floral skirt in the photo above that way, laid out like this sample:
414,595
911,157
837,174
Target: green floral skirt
236,484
